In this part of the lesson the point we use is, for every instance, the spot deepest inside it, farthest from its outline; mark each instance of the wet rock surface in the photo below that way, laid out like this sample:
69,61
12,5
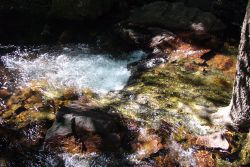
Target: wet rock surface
95,130
161,117
26,106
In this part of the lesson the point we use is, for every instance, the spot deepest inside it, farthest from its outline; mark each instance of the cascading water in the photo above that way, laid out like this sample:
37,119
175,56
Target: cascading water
72,66
80,67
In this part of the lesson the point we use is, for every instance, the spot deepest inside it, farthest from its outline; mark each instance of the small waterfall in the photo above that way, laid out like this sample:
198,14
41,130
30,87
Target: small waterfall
71,66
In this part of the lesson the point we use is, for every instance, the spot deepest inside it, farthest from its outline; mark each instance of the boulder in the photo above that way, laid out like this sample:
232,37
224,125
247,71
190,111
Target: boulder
80,122
61,127
176,16
92,130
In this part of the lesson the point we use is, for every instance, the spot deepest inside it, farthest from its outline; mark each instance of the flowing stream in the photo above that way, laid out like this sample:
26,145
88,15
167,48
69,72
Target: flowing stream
79,67
74,66
65,66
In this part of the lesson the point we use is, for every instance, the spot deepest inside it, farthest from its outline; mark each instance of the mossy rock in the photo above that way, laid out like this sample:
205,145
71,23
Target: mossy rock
245,152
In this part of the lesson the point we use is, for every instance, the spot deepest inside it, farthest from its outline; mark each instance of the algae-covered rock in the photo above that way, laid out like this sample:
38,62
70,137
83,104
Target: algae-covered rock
176,103
245,152
35,103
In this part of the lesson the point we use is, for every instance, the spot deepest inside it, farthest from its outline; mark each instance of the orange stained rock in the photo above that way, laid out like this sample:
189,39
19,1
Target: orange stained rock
93,144
225,63
188,51
66,144
145,149
204,159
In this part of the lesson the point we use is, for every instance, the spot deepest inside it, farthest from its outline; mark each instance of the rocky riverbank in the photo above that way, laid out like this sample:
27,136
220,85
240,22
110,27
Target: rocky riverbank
162,117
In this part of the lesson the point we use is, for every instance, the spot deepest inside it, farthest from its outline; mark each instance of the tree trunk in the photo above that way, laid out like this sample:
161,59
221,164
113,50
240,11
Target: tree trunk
240,104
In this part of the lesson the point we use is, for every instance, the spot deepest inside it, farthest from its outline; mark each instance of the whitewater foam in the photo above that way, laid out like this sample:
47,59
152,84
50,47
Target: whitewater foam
72,68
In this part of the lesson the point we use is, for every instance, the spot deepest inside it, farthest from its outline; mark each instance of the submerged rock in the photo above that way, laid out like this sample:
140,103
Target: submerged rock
26,106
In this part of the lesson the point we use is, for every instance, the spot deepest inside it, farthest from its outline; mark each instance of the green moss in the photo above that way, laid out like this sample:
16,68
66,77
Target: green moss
13,108
222,163
180,135
166,87
35,104
245,152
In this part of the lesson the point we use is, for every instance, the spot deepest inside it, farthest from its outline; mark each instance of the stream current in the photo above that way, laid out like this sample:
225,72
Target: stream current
80,67
76,66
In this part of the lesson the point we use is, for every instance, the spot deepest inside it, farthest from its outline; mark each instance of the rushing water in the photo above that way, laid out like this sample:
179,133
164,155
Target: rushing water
80,67
71,66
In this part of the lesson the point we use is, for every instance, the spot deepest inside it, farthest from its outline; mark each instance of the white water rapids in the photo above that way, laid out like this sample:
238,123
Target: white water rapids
72,67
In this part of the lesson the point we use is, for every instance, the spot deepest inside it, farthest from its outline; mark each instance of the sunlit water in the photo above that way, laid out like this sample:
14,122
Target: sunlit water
71,66
80,67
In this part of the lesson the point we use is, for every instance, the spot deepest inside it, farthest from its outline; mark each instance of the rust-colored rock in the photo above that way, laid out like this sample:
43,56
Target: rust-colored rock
146,143
176,46
225,63
145,149
93,144
188,51
204,159
65,144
